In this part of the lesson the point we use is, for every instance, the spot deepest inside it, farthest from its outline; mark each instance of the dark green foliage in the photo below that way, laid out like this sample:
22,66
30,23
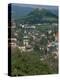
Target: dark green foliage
29,63
36,48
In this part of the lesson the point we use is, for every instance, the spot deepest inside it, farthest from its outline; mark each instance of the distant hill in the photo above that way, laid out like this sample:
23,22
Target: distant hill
39,16
20,10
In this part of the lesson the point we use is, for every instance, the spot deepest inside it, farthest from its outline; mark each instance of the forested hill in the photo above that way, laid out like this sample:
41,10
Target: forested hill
39,16
19,10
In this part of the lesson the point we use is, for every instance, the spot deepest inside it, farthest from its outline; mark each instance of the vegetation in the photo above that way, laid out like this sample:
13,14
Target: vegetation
29,63
38,16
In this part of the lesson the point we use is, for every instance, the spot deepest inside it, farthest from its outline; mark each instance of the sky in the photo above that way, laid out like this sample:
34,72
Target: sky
35,6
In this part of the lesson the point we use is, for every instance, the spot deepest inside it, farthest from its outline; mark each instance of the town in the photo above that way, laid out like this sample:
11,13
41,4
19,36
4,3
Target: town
31,36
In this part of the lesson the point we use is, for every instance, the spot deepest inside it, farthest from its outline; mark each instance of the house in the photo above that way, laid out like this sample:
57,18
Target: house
52,46
29,48
22,48
50,31
25,40
20,24
56,36
12,42
43,35
39,24
13,24
33,27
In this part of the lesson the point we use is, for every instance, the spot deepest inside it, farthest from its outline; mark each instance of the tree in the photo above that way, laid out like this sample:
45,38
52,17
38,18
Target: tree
43,44
36,47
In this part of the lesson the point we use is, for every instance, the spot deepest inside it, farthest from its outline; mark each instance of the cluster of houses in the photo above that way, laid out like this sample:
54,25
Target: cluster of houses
30,31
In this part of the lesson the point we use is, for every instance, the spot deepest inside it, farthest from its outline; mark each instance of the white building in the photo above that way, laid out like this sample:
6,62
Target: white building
25,40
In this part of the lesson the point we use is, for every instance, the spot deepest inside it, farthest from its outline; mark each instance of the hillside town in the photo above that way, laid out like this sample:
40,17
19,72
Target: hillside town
31,37
33,40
